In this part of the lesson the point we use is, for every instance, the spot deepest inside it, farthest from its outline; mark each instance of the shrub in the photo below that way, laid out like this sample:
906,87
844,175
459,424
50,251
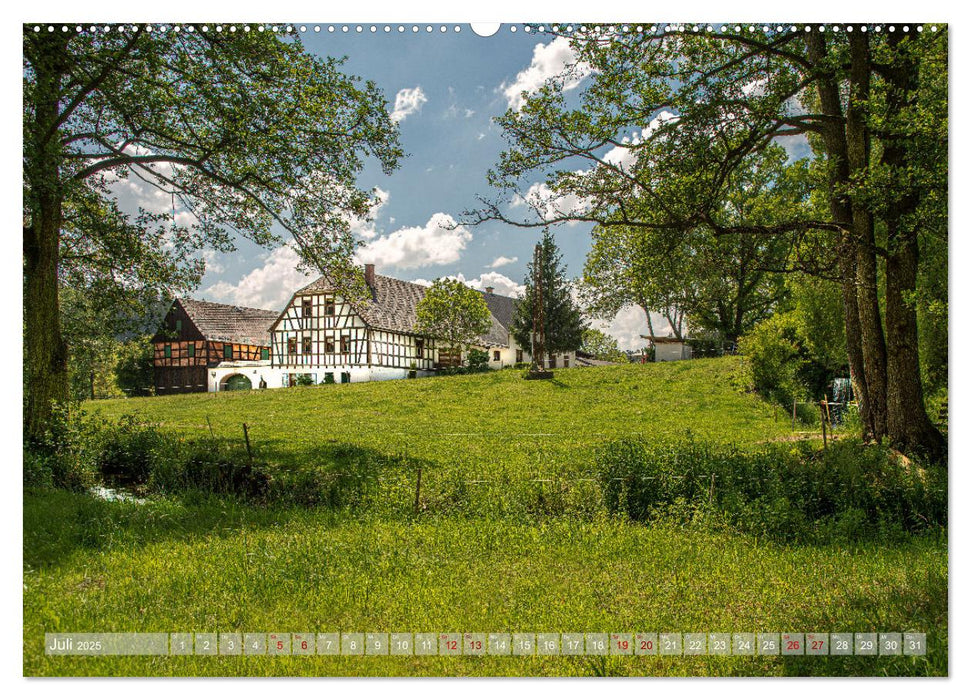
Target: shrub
776,357
478,360
130,451
67,456
791,493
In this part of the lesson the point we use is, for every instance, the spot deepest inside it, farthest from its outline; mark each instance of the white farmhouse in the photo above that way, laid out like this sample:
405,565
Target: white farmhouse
325,338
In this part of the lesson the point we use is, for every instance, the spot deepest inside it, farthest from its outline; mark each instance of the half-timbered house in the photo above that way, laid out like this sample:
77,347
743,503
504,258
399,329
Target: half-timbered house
321,337
204,346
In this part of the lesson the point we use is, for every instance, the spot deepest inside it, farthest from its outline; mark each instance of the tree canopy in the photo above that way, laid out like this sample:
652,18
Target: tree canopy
453,313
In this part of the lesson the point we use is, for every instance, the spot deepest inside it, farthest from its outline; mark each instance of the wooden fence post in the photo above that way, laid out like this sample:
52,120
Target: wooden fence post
822,420
249,450
418,491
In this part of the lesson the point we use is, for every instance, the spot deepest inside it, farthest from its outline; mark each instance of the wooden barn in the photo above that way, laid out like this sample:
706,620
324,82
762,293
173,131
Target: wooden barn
197,336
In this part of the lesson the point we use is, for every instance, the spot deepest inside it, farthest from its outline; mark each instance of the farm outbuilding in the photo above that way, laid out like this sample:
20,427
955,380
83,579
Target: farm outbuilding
669,348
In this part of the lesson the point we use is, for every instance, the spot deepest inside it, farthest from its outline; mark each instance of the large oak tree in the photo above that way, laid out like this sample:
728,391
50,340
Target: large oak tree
246,132
667,116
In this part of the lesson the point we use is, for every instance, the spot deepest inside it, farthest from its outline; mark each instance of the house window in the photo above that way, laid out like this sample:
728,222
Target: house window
552,361
264,353
190,349
566,360
419,347
167,350
345,344
307,347
345,377
328,306
495,355
227,351
329,344
519,356
178,324
291,346
308,308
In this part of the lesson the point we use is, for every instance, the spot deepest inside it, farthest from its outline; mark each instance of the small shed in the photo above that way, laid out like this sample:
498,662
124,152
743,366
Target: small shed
669,348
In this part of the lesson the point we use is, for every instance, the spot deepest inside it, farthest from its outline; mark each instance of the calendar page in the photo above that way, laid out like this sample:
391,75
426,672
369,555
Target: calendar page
533,349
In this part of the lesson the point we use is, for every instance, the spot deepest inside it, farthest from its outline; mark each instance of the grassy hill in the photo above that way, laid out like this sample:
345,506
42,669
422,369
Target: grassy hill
509,537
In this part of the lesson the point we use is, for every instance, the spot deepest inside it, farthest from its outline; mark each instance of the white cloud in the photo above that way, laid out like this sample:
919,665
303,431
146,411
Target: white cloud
540,197
213,265
500,284
502,260
549,60
266,287
438,242
498,281
622,156
755,88
408,101
629,325
364,227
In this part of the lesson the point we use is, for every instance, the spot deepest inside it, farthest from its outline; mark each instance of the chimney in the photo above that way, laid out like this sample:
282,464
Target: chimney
369,274
489,290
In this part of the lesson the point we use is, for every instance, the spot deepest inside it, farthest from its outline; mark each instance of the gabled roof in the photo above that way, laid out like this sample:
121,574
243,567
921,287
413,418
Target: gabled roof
394,307
230,324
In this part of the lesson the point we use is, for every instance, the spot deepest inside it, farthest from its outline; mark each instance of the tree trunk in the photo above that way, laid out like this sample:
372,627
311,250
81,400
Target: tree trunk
872,341
834,139
46,352
909,428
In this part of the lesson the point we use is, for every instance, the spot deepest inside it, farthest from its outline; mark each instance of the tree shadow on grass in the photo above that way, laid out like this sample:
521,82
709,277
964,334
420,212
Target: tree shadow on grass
324,483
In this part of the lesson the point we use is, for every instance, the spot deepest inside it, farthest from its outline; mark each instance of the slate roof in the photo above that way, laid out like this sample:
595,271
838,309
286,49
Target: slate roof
230,324
394,303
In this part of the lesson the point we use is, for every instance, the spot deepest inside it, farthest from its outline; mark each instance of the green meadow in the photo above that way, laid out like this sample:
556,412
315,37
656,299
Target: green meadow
508,532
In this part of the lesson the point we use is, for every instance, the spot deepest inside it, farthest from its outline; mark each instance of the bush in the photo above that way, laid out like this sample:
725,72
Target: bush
791,493
130,451
478,360
67,456
776,358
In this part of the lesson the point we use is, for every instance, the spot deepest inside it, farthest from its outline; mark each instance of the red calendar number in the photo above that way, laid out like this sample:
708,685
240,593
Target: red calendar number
792,645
